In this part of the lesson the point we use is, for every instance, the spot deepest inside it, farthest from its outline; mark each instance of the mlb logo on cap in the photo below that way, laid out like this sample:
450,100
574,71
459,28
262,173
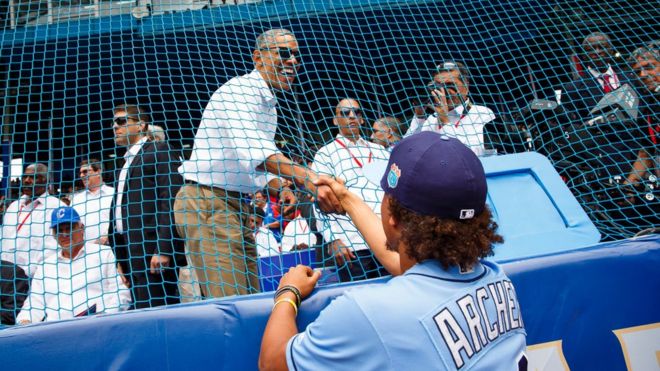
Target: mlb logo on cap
64,215
433,174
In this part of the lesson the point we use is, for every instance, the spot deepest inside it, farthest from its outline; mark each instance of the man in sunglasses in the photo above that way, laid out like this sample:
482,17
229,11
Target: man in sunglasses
346,157
81,279
455,115
234,148
142,229
94,202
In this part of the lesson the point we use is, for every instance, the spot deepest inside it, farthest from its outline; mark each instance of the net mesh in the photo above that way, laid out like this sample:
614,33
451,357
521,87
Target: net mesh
533,86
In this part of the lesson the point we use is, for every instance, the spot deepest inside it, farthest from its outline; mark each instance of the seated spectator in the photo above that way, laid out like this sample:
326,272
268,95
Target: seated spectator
14,287
455,114
265,240
270,206
387,131
81,279
345,157
297,235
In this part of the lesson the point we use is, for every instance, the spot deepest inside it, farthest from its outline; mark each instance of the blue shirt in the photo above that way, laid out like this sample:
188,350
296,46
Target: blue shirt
270,218
428,318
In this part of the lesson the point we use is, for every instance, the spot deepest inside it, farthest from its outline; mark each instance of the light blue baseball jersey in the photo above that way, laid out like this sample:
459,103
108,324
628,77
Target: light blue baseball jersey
427,319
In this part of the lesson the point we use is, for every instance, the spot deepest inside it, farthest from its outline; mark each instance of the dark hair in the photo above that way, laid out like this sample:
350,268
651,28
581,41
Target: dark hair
452,242
135,110
94,163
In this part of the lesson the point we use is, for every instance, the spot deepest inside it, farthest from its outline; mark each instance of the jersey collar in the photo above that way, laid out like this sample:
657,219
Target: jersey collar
433,268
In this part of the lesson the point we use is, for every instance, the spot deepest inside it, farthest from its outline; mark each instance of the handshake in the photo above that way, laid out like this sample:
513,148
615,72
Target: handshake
331,194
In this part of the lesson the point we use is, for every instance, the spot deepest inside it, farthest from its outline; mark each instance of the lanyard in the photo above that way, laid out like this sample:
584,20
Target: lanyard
26,217
352,155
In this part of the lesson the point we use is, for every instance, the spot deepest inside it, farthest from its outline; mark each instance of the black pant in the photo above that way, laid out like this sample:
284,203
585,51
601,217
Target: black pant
364,266
153,290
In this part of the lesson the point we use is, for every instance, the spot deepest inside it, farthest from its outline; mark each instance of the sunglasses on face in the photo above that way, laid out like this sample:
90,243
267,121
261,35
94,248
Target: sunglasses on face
121,121
286,53
345,112
61,232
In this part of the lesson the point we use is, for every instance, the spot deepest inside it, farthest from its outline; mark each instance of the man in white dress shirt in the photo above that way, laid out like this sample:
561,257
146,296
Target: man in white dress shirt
26,237
455,115
94,202
81,279
234,148
345,157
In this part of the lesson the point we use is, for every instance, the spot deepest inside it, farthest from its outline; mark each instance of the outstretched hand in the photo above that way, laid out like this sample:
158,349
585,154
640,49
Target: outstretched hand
336,185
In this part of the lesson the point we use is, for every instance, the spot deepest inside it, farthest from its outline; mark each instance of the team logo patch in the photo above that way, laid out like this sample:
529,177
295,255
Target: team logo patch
467,214
60,213
393,176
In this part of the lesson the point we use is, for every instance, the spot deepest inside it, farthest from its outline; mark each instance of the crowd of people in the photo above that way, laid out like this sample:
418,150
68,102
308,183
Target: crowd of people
174,229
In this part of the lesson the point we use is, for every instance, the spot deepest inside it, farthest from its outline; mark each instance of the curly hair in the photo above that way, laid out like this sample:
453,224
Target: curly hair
451,242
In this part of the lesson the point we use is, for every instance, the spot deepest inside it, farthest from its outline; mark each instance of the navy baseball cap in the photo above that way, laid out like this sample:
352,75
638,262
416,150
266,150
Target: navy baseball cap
66,215
433,174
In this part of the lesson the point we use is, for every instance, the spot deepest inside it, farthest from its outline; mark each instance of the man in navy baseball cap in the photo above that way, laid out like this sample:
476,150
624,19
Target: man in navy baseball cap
433,234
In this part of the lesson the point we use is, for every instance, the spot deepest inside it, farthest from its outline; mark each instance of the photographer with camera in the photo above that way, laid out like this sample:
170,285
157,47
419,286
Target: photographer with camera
454,114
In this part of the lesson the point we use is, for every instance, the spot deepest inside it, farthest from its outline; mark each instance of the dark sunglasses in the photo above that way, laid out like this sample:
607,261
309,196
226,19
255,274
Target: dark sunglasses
121,121
286,53
345,112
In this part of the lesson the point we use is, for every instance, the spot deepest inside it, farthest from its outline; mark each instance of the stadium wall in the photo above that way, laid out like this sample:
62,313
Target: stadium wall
594,308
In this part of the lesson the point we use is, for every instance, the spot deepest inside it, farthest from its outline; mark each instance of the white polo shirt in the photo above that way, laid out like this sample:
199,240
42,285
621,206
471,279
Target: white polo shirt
468,128
94,211
26,236
297,232
345,159
63,288
266,243
235,136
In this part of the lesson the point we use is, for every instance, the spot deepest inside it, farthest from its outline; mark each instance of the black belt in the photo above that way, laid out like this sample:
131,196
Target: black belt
232,194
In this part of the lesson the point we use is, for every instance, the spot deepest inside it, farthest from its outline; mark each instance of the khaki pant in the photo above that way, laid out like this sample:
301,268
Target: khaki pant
220,248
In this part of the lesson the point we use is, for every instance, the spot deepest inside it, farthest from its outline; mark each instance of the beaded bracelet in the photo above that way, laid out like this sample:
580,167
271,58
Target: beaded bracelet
287,300
292,289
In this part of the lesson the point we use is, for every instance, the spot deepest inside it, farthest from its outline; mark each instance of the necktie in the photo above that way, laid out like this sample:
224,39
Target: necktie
607,86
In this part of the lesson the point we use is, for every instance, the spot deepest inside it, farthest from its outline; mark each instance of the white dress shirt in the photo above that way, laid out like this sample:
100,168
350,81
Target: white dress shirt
345,160
121,183
235,136
297,232
94,211
26,236
63,287
266,243
614,80
468,128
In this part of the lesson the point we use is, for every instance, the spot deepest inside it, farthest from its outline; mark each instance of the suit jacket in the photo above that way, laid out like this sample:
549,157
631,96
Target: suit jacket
619,143
152,183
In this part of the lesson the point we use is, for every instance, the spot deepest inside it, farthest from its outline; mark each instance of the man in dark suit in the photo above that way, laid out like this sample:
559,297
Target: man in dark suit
145,242
605,151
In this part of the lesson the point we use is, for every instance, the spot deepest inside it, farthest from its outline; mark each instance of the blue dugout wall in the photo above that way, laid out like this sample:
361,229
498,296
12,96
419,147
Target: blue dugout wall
572,303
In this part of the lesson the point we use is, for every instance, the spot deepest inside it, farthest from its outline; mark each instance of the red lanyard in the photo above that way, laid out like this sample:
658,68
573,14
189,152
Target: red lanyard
440,125
352,155
303,227
26,217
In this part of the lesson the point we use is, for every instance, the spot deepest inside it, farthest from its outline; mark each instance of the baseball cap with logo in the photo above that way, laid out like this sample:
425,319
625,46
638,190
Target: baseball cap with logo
63,215
433,174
